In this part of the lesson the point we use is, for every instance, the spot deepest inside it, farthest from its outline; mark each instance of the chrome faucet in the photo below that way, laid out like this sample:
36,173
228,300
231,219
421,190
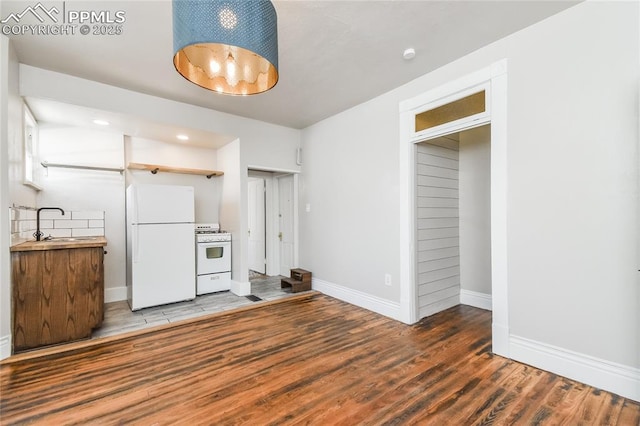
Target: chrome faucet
38,233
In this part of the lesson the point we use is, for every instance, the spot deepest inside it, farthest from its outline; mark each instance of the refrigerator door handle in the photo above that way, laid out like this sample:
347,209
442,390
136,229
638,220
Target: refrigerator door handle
135,205
136,244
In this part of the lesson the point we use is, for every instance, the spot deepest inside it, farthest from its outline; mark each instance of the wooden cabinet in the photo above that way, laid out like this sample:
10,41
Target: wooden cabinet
58,295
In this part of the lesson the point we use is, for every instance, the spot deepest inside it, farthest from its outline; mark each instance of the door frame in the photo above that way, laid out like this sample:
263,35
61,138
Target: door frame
271,212
492,79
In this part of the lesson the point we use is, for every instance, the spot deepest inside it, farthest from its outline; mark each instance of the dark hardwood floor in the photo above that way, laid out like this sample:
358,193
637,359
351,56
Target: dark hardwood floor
309,359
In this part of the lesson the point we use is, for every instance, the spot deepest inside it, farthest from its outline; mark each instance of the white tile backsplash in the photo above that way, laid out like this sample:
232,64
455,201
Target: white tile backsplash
87,232
96,223
87,214
26,235
46,224
82,223
26,225
24,214
63,223
23,224
53,214
57,232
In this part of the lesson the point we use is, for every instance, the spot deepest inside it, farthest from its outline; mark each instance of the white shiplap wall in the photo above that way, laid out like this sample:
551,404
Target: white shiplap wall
438,243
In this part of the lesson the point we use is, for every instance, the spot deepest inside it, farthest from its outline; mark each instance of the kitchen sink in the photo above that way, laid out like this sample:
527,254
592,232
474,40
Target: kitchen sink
69,239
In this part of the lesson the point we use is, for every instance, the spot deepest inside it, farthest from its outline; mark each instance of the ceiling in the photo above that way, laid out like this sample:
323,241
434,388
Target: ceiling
333,54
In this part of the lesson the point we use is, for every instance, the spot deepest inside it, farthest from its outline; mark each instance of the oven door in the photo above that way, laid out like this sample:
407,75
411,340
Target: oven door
213,258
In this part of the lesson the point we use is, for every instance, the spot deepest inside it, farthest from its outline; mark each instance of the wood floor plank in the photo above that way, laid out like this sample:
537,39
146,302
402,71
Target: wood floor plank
587,413
609,410
464,403
308,360
630,413
564,400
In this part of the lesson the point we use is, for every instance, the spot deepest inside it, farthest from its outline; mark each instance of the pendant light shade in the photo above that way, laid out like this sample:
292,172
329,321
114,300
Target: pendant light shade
228,46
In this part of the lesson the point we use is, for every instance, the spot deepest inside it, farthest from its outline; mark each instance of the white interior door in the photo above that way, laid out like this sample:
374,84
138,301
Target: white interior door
286,216
257,239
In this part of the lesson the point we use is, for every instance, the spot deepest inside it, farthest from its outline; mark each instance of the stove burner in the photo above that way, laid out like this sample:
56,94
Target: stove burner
208,228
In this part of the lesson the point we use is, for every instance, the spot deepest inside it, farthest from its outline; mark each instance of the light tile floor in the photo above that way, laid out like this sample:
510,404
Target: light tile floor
118,317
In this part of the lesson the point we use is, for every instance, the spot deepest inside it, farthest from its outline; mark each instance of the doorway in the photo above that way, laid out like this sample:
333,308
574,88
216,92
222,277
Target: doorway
491,80
453,249
272,223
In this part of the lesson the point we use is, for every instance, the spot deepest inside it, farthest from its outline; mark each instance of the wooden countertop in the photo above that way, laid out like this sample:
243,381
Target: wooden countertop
60,244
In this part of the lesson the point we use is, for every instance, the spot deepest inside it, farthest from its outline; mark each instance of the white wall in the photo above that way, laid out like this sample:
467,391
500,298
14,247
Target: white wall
20,194
231,215
12,190
350,182
207,191
475,210
573,183
5,233
572,187
83,190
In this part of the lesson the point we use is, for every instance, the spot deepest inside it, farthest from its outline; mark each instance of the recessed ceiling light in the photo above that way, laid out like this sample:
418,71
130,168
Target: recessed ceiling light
101,122
409,53
183,137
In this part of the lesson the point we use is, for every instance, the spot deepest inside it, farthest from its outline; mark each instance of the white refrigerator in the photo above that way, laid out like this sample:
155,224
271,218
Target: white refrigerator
160,245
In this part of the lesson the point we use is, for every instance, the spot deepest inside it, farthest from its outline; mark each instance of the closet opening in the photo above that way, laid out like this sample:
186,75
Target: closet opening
453,221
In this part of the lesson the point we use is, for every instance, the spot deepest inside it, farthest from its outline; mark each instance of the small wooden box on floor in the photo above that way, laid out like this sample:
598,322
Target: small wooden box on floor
300,281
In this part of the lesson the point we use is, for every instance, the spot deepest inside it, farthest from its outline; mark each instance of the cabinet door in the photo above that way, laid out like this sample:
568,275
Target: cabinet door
26,270
83,280
95,286
58,295
54,308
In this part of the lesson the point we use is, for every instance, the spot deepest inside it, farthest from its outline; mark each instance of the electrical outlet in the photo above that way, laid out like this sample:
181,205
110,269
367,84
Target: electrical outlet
387,279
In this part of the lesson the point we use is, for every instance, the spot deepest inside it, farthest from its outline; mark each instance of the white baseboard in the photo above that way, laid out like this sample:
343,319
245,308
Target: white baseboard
5,346
475,299
358,298
500,339
115,294
439,306
240,289
609,376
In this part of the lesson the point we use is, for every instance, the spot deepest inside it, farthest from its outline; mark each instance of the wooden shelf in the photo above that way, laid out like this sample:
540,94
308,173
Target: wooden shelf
154,168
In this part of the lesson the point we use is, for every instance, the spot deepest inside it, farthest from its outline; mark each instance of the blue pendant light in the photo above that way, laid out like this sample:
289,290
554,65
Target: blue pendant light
228,46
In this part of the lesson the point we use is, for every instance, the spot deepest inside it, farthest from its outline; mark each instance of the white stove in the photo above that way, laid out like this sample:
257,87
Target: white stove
210,232
213,258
